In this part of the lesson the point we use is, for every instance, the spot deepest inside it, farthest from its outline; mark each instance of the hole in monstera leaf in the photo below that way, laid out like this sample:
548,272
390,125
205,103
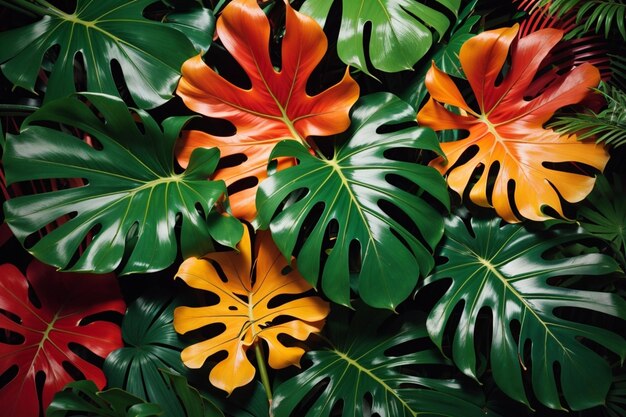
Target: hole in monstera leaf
388,128
312,396
310,222
206,332
40,381
85,242
11,316
367,402
108,316
217,127
218,269
231,161
286,270
330,70
80,80
409,347
86,354
451,325
410,155
218,58
33,297
465,157
427,296
200,210
8,375
73,371
120,82
510,190
242,184
482,344
9,337
404,221
491,180
515,328
282,299
354,256
138,122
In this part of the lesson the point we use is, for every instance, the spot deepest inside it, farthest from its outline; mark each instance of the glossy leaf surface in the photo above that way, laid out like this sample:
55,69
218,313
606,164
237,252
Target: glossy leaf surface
357,200
246,310
366,361
401,30
132,190
42,336
604,214
275,107
151,345
508,270
507,142
85,398
149,53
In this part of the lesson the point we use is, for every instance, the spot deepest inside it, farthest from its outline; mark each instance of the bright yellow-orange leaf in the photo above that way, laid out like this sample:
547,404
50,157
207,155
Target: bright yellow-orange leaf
276,107
507,131
247,310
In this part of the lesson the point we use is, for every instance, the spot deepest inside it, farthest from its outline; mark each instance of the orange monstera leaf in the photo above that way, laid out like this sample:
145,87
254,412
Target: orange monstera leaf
511,146
247,308
274,108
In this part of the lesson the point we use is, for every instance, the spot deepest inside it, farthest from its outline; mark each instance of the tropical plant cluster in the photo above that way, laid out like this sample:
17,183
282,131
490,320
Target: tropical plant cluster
320,208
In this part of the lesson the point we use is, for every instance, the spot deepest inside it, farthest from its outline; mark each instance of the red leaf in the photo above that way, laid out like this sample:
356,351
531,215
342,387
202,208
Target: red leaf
276,107
38,338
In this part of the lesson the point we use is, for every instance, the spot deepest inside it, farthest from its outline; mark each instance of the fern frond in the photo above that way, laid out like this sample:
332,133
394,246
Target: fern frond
608,126
602,16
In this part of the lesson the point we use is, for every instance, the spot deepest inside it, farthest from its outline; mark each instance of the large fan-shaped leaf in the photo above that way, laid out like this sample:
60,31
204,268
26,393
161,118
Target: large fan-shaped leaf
149,53
401,30
506,269
604,213
353,192
507,147
372,358
275,107
132,190
151,345
42,332
247,311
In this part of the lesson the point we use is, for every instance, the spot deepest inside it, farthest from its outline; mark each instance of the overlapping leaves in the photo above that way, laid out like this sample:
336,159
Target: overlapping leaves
246,309
275,107
151,345
149,53
374,368
133,195
348,201
42,332
401,30
507,147
507,270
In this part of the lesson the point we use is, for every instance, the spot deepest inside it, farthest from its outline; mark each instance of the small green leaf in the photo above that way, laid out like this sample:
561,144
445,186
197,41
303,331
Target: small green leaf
401,30
507,270
355,202
132,190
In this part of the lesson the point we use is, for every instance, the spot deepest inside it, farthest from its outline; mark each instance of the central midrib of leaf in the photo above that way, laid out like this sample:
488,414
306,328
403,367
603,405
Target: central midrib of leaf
360,368
493,270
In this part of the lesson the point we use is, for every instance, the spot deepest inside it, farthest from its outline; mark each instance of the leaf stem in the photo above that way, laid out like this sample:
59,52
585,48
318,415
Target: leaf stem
260,360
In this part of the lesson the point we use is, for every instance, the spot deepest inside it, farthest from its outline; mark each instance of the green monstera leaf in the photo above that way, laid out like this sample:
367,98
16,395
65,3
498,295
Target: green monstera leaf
150,53
401,30
373,220
510,271
376,367
132,199
152,345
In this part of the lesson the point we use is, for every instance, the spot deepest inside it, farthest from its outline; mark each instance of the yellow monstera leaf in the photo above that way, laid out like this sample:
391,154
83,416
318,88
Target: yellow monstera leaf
248,307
